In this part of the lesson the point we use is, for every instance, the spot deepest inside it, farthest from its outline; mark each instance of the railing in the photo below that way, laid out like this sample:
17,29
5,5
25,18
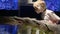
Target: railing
33,26
27,26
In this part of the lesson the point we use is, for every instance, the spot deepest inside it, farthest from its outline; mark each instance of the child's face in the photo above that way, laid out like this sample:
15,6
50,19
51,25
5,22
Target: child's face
39,7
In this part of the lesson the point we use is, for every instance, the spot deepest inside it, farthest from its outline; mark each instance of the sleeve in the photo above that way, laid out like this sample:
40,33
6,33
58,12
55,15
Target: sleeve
46,14
53,16
56,16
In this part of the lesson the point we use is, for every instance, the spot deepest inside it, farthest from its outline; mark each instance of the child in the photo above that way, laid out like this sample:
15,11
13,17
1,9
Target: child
40,7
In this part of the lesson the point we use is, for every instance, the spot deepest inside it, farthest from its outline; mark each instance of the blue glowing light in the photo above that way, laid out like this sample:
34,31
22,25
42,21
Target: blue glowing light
9,4
53,5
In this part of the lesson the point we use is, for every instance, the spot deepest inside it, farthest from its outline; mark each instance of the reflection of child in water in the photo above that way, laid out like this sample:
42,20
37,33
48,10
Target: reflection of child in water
49,15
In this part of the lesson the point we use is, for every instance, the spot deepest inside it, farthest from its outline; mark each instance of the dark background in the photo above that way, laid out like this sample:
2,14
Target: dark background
8,12
28,11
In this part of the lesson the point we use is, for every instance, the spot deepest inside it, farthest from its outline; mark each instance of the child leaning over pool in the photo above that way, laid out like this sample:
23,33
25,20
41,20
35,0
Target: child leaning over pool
40,7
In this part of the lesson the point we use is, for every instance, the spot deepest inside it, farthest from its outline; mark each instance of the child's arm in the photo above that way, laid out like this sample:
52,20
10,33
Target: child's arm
53,17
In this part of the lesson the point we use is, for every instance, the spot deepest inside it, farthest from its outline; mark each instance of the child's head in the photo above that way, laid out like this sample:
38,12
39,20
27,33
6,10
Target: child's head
39,6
